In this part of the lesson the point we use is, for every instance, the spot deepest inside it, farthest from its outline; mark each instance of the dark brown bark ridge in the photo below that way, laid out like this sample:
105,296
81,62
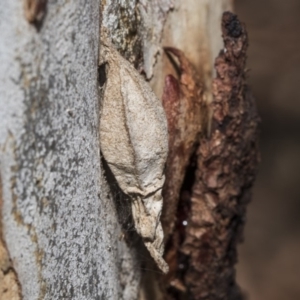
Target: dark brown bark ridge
212,206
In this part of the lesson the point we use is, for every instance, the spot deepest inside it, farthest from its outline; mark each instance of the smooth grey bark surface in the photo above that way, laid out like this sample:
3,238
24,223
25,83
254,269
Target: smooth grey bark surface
59,220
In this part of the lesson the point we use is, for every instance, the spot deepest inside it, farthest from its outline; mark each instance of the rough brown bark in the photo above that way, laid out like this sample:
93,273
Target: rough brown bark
10,288
218,181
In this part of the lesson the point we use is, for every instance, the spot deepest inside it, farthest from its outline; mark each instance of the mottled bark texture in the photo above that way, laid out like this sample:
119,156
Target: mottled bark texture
59,219
135,28
217,186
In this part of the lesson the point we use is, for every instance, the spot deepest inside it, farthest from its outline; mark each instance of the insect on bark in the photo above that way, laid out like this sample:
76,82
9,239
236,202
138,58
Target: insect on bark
134,143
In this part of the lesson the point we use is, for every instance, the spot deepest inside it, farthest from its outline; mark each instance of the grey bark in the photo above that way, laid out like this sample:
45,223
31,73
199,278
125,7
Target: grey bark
58,216
59,219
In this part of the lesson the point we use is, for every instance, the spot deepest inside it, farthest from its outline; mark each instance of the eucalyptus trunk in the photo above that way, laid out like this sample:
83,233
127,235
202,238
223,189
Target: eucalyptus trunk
62,234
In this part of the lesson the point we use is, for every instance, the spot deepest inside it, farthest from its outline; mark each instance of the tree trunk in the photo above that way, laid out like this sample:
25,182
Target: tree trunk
62,235
58,217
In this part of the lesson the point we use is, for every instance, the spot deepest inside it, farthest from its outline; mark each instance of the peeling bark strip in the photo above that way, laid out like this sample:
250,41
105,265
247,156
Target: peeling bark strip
226,168
204,252
182,103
